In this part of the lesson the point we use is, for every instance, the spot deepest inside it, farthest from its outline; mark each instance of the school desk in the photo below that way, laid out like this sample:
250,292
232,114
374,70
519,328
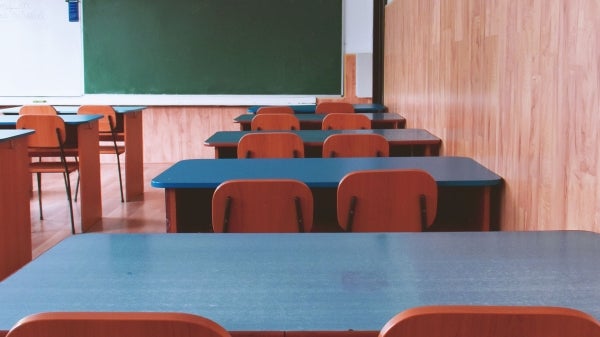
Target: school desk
15,223
402,142
129,120
301,283
82,132
310,108
466,198
311,121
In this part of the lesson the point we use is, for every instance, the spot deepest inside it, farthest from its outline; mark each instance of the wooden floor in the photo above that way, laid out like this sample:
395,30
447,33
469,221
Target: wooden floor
138,216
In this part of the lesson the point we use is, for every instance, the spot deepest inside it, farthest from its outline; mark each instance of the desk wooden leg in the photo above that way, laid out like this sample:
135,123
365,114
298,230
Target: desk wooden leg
15,222
171,210
134,157
89,171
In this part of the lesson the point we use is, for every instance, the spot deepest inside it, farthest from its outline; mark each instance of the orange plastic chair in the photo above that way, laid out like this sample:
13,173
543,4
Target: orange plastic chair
274,122
262,206
270,145
49,137
334,107
37,110
386,201
107,127
490,321
356,145
116,324
275,109
345,121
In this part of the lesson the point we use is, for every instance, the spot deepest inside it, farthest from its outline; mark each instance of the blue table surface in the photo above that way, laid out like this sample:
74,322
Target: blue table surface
319,172
310,108
318,136
314,281
376,116
72,109
12,134
11,120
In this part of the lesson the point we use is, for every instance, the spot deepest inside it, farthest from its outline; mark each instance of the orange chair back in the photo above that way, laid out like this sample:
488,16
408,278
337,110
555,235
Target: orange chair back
274,122
386,201
262,206
45,127
334,107
37,110
346,121
491,321
270,145
108,122
275,110
117,324
356,145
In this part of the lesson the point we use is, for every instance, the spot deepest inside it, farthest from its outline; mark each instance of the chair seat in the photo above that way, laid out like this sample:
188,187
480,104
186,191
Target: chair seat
52,167
44,152
110,149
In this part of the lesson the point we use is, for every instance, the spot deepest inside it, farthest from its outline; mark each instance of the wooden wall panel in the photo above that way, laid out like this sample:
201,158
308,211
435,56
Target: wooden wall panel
514,84
176,133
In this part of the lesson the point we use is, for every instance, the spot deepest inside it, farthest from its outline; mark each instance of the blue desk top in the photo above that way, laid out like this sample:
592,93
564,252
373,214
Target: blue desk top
12,134
396,136
310,108
319,172
317,118
11,120
291,282
72,109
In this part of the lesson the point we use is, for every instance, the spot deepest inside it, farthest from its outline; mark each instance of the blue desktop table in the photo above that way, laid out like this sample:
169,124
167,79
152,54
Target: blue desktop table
332,282
311,121
467,198
403,142
310,108
82,133
129,122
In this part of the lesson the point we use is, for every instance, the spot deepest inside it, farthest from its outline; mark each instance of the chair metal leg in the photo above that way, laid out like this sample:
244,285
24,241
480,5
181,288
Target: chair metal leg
120,179
39,184
68,188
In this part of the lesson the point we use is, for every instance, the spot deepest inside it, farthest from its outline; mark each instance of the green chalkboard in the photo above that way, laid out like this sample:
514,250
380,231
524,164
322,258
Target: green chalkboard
212,47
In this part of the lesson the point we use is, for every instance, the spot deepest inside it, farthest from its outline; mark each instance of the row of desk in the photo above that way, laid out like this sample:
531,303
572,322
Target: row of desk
467,190
343,284
403,142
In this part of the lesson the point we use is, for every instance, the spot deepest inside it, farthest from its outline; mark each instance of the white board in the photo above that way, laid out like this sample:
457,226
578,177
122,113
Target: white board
41,50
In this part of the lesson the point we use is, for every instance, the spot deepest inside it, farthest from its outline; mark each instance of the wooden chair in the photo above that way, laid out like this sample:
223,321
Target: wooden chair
107,127
116,324
270,145
274,122
396,200
262,206
345,121
334,107
37,110
356,145
275,109
49,136
490,321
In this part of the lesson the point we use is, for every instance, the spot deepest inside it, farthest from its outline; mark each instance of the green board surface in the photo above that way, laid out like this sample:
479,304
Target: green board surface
213,47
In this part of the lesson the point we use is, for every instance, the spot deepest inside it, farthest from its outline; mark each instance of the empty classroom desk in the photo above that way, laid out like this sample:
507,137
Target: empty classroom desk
341,284
403,142
466,198
311,121
82,132
129,119
310,108
15,223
